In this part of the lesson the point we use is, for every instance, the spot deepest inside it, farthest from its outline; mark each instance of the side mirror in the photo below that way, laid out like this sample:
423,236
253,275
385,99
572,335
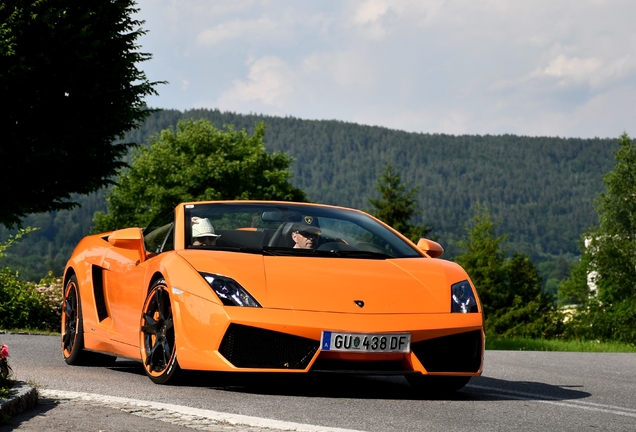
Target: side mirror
431,248
128,238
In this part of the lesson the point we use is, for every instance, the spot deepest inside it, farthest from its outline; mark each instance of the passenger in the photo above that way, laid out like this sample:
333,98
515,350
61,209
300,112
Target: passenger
305,235
203,232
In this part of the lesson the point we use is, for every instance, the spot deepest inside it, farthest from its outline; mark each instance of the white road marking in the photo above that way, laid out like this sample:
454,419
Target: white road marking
572,403
215,416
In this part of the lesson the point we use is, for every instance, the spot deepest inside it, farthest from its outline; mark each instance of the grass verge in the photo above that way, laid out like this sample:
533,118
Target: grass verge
30,332
526,344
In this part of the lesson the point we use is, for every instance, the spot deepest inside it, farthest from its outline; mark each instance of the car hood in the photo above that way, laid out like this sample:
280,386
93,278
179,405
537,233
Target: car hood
341,285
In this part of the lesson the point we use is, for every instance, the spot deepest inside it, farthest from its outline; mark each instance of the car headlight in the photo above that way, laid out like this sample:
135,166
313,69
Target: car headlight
463,298
230,291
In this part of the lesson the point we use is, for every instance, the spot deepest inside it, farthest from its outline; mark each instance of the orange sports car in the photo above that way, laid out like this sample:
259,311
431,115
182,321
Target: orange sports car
262,286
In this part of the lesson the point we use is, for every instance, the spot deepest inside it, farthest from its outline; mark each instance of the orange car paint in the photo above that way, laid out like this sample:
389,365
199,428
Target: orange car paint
312,295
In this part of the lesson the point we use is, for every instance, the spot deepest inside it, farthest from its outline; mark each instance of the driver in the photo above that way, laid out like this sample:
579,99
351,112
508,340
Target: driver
305,235
203,232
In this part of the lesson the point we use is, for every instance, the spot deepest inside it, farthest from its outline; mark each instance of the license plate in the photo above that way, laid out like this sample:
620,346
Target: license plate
366,342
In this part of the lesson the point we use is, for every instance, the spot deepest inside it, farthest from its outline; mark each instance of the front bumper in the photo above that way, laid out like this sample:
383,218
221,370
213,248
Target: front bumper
218,338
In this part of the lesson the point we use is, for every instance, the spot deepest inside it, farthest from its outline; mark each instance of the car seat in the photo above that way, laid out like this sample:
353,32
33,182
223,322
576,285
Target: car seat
282,236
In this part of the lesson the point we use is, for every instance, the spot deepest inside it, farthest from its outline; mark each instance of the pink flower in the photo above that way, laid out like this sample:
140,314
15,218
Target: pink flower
4,352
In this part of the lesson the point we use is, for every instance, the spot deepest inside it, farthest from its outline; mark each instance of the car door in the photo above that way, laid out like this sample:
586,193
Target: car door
123,279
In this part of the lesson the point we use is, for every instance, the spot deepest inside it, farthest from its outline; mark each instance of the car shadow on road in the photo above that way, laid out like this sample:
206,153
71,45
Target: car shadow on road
339,386
377,387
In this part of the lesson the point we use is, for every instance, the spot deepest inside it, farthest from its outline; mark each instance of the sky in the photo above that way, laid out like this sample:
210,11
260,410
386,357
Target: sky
536,68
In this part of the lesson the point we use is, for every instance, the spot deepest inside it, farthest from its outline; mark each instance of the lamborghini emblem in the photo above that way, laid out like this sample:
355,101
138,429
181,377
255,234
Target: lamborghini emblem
309,220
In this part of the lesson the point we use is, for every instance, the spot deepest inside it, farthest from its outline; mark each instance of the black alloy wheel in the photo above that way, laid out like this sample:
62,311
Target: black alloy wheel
72,326
157,337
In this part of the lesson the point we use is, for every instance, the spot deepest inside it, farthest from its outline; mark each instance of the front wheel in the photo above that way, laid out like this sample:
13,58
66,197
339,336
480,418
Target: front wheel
437,384
157,339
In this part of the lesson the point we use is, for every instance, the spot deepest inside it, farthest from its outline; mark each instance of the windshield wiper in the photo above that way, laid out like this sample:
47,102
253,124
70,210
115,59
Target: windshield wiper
358,254
263,251
285,251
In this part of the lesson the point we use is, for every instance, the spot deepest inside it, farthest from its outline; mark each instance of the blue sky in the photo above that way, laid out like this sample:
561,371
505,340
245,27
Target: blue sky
537,68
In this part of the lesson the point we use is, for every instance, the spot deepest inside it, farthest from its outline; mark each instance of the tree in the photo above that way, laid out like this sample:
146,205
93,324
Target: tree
484,260
197,162
509,288
397,205
608,311
70,87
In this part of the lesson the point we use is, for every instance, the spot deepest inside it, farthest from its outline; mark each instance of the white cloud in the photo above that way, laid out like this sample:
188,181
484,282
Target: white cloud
236,29
370,11
593,71
573,69
461,66
269,83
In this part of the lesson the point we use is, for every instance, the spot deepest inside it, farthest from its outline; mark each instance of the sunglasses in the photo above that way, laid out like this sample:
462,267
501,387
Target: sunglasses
308,234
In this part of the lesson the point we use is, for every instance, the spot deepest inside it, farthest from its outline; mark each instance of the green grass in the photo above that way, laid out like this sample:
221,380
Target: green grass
492,343
5,392
5,388
525,344
30,332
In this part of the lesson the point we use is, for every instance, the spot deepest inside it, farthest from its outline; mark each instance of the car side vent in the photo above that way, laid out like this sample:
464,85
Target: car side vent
98,291
251,347
456,353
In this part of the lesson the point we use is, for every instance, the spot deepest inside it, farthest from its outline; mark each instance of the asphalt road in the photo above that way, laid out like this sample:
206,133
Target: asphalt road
521,391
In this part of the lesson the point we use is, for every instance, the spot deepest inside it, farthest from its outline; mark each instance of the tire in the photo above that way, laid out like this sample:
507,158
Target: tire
157,338
437,384
73,331
72,324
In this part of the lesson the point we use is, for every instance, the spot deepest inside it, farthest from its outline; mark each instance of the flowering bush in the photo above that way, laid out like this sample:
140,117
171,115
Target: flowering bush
26,305
50,290
5,369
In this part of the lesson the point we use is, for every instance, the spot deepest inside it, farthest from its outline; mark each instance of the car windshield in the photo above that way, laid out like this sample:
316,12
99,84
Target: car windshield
291,230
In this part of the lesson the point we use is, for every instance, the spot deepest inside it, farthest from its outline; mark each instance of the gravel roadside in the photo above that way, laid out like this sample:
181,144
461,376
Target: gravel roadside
69,411
59,414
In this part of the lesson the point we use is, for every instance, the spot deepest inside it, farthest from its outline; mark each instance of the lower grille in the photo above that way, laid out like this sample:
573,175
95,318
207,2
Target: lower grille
386,367
457,353
251,347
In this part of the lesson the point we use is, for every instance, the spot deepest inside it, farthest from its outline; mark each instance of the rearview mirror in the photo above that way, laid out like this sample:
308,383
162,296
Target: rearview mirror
281,216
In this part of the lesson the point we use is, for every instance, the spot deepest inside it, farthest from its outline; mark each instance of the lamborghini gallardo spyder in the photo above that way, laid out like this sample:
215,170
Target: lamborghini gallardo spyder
263,286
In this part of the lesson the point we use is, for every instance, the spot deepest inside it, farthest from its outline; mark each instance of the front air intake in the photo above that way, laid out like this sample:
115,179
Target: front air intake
252,347
456,353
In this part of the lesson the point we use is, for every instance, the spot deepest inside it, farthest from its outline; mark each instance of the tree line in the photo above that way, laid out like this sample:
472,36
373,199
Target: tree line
200,162
539,190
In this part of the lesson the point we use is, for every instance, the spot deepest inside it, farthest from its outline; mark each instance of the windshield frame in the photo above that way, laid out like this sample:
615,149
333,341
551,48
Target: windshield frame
393,246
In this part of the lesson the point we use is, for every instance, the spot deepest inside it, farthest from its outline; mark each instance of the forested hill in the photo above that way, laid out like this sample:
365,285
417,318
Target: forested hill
541,189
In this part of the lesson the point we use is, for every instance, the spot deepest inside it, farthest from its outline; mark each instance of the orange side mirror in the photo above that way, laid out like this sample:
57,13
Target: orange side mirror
129,238
431,248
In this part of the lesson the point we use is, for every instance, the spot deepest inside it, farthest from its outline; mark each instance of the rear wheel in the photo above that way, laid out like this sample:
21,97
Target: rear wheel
437,384
157,339
73,331
72,326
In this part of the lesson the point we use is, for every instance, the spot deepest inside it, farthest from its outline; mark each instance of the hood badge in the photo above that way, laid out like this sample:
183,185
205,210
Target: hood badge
360,303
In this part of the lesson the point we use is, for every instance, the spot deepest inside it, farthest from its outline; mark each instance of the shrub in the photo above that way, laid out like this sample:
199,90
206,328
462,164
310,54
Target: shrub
26,305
